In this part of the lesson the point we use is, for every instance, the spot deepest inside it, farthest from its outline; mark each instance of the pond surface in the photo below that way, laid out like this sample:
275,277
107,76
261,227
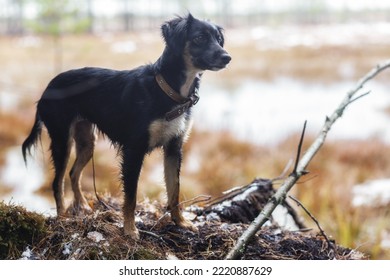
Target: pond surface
25,181
267,113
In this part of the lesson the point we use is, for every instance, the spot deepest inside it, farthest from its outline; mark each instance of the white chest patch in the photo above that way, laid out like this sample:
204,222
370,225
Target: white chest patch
162,131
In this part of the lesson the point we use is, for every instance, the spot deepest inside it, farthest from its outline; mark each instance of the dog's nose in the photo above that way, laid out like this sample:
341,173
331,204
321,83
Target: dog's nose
225,58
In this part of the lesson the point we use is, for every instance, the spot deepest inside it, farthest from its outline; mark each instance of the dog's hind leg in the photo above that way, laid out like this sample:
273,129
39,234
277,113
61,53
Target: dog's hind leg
172,163
85,137
60,150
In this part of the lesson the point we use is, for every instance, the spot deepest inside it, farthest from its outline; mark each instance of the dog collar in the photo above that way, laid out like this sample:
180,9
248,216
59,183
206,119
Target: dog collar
185,103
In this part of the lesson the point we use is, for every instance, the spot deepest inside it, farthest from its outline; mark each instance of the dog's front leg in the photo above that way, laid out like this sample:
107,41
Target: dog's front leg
131,168
172,164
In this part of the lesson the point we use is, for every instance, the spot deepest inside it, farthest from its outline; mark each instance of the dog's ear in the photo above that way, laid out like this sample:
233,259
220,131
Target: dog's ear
175,32
222,37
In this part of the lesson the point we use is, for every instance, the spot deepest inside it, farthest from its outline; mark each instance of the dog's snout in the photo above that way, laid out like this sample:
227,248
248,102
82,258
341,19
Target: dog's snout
225,58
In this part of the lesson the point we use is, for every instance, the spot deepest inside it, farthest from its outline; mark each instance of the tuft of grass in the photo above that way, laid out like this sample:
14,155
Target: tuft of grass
18,229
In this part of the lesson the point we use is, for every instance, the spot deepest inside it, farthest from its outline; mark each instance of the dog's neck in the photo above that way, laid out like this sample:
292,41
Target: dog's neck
179,72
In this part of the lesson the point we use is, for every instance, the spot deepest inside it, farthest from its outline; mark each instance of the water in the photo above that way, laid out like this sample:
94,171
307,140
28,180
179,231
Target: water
266,113
24,183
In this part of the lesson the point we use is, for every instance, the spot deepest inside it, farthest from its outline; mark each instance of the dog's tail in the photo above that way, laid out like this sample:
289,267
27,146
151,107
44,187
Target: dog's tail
32,139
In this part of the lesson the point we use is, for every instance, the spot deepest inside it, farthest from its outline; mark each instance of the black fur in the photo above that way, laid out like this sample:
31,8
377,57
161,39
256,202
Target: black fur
124,104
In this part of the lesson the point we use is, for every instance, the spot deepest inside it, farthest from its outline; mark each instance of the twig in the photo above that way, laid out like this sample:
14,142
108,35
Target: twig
152,234
330,245
358,97
284,172
196,199
281,193
294,173
162,217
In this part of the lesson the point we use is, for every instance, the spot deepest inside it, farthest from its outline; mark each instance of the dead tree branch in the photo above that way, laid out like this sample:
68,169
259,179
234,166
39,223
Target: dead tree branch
300,170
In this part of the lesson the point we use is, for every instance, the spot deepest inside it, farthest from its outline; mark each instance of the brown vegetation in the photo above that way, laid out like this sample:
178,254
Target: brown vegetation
100,236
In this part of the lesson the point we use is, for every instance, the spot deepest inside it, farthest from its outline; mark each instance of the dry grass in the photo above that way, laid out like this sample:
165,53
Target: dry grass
100,236
11,128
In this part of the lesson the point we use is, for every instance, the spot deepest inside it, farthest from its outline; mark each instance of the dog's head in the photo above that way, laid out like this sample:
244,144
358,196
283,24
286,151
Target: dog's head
200,41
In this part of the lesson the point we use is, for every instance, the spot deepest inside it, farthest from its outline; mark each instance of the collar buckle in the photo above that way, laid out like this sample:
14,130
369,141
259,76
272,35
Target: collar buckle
185,103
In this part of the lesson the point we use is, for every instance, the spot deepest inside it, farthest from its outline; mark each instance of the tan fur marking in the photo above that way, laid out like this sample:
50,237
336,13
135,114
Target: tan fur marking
162,131
129,219
191,71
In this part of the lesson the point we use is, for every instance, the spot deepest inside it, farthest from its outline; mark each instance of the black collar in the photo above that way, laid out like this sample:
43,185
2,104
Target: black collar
185,103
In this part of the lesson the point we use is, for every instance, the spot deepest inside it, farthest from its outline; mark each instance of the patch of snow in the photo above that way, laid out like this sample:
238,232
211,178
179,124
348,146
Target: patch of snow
75,254
220,206
213,217
124,47
171,256
245,194
372,193
75,235
315,36
189,215
225,226
118,224
8,101
29,41
27,254
138,219
95,236
385,243
67,248
284,219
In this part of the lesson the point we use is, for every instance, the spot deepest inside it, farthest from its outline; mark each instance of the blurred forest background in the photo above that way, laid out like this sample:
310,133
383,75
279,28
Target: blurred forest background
293,60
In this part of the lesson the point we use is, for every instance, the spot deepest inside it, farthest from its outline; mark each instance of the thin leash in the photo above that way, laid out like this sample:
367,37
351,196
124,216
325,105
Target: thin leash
94,179
94,185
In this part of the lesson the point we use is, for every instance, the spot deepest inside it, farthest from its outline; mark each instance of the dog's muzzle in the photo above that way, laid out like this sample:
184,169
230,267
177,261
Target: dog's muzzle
221,61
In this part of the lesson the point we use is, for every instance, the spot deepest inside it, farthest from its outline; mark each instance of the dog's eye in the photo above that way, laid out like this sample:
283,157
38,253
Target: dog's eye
199,40
219,39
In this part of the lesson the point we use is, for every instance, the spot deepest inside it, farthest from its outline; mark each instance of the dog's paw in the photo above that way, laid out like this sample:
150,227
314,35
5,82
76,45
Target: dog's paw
131,232
187,225
79,209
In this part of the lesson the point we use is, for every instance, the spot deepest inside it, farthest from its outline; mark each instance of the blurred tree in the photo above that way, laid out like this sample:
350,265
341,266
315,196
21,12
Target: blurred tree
56,18
15,19
128,17
90,15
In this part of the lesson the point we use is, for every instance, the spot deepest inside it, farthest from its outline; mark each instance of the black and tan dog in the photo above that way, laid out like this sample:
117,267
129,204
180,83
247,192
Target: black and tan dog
138,110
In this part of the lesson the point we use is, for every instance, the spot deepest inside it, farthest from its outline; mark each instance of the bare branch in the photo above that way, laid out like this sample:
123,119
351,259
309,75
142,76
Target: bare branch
330,245
281,193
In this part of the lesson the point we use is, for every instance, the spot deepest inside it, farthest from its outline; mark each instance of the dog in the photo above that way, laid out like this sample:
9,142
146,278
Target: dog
138,110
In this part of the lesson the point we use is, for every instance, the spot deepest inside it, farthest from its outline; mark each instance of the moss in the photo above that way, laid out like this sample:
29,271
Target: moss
145,254
18,228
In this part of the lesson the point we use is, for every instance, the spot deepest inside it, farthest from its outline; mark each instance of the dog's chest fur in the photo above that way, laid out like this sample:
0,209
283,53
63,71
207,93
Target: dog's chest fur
162,131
